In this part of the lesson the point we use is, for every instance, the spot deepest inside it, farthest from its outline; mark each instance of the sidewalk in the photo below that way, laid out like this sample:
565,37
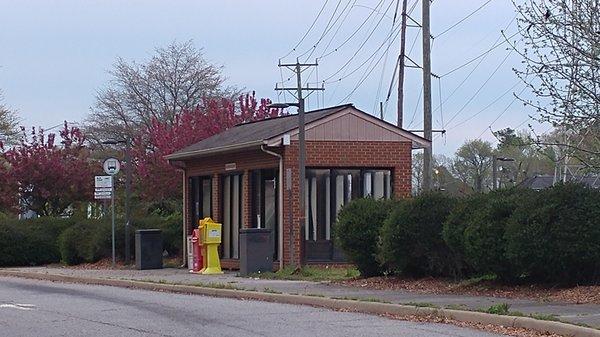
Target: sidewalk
587,314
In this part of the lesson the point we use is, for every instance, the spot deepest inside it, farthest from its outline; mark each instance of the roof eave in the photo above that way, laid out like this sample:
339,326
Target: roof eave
214,150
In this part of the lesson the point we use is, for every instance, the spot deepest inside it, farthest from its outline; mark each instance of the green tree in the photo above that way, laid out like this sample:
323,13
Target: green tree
8,124
472,164
529,159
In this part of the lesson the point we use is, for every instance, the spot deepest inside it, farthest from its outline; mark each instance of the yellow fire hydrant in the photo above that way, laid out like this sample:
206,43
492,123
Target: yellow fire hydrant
211,238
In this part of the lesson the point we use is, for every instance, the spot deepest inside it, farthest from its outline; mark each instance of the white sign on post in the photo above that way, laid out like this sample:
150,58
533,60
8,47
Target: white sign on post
103,187
104,182
111,166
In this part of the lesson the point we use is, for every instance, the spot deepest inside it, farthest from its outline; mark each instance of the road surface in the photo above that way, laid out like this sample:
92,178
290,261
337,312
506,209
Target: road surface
40,308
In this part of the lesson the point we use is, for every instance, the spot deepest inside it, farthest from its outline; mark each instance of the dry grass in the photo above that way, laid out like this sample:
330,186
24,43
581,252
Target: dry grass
481,287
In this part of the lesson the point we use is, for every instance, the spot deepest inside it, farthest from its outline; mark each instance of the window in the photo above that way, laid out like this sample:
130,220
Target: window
232,215
200,199
328,190
377,184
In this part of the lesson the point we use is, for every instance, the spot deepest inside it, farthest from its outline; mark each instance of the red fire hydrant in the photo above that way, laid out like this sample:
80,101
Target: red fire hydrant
197,251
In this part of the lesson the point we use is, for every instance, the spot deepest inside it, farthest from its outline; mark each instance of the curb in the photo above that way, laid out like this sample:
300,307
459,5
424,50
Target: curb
560,328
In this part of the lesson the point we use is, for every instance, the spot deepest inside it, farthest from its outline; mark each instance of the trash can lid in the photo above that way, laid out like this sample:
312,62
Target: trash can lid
255,230
148,231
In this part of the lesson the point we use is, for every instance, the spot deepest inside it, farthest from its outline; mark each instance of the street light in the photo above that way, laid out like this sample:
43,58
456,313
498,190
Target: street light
495,161
127,142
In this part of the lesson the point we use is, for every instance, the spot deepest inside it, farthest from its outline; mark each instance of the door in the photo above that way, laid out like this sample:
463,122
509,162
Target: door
265,203
232,215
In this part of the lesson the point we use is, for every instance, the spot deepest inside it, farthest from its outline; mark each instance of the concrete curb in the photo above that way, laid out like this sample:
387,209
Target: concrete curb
559,328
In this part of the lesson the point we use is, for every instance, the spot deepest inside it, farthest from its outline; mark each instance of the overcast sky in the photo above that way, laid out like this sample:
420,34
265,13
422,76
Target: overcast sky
55,54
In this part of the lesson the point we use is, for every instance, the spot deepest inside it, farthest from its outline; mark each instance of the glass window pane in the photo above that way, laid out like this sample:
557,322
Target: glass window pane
235,216
226,217
378,185
367,185
206,197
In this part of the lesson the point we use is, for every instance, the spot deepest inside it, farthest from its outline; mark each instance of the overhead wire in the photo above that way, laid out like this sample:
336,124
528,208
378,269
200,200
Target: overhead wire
463,19
481,59
308,31
486,107
416,108
383,68
502,113
359,47
480,88
353,34
326,30
368,72
479,56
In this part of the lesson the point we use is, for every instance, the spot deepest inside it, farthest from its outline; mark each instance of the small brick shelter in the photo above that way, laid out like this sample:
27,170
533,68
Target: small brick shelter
247,177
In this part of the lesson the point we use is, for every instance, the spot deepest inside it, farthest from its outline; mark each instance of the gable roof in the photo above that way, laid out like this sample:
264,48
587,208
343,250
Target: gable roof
542,181
257,133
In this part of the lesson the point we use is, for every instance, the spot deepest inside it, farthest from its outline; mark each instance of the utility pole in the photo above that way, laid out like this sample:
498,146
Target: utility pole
297,92
127,199
427,127
401,66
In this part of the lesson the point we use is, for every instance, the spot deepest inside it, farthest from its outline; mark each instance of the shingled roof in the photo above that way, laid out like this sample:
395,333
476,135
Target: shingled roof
252,134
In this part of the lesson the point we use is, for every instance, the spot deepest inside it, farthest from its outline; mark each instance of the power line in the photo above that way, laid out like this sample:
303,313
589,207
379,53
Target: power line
385,60
308,31
353,34
479,56
326,30
463,19
486,107
502,113
416,108
359,47
368,72
480,88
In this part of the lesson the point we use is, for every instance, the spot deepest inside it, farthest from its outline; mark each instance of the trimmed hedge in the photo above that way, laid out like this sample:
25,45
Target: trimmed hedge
518,235
411,237
50,240
30,242
91,240
475,229
555,236
357,232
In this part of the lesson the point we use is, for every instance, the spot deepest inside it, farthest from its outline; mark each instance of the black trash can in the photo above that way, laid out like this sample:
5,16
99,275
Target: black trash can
256,250
148,249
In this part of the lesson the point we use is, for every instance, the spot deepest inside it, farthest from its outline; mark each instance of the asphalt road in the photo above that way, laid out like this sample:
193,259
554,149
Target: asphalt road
39,308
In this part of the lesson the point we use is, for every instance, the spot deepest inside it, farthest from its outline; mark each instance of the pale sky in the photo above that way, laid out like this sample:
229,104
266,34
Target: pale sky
55,54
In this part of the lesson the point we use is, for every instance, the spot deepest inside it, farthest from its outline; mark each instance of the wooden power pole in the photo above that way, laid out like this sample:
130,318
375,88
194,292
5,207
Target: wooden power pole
402,61
427,131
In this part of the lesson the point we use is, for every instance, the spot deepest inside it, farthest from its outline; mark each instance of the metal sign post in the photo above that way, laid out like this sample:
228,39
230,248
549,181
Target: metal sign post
105,189
112,206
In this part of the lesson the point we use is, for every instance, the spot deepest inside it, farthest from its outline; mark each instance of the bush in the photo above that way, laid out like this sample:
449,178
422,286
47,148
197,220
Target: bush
475,231
91,240
357,232
85,241
412,241
30,242
453,230
555,237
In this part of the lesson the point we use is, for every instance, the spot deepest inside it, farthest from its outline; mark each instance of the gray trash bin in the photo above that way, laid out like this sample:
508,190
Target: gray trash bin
256,250
148,249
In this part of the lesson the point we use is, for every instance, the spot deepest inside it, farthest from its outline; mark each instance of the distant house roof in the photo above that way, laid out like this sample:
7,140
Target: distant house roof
257,133
540,182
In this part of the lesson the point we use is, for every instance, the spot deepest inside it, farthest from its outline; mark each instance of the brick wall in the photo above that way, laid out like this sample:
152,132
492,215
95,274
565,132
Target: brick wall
377,154
330,154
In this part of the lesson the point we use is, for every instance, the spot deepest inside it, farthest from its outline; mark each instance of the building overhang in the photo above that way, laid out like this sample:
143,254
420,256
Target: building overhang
213,151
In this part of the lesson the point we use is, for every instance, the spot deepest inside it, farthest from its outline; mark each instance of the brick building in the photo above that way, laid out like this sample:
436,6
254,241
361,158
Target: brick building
247,177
